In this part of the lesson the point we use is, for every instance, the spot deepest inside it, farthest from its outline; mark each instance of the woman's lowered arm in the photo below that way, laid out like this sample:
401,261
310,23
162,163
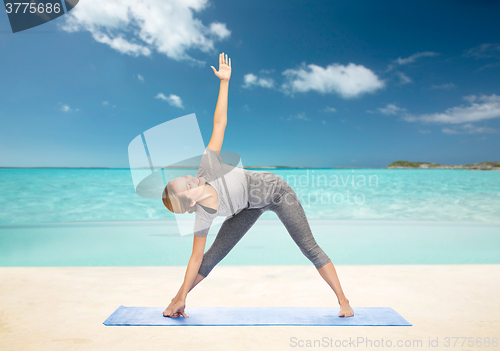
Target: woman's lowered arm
220,116
193,265
176,307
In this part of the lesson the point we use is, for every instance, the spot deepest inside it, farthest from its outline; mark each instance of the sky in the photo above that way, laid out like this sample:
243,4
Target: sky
314,83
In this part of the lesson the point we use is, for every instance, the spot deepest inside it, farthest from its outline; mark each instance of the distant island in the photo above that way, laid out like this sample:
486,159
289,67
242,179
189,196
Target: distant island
483,166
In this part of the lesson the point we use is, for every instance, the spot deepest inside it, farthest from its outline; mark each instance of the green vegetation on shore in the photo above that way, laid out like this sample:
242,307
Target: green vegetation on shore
427,165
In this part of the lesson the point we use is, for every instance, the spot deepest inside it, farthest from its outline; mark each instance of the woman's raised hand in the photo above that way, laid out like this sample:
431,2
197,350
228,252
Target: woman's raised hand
224,72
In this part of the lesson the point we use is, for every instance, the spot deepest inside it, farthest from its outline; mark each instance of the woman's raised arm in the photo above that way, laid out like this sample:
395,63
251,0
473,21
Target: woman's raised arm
220,116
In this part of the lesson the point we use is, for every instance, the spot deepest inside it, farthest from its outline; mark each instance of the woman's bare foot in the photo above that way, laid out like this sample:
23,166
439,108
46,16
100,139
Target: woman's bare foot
345,309
168,310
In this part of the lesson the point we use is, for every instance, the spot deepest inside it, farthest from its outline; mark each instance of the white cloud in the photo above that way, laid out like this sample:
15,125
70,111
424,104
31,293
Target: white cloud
251,79
173,100
414,57
141,78
468,129
404,78
404,61
480,109
104,103
220,30
137,27
487,50
121,44
391,109
301,116
67,108
323,121
330,109
444,86
348,81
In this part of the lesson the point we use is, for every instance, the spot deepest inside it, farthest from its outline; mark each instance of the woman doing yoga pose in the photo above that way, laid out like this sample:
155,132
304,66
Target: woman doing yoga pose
242,196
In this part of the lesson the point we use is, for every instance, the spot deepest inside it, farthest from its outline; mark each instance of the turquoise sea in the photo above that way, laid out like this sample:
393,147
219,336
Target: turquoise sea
93,217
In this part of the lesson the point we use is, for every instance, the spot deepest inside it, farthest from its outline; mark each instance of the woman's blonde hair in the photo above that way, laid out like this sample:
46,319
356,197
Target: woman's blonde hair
174,203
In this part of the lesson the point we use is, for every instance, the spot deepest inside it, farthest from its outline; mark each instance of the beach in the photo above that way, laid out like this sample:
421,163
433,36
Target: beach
63,308
358,134
424,243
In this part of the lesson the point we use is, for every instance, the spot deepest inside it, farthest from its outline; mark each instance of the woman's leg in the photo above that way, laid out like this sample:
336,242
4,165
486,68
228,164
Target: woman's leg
197,279
289,210
231,231
330,276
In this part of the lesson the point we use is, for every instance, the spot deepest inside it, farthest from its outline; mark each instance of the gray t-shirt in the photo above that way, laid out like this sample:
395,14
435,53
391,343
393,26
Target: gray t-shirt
237,188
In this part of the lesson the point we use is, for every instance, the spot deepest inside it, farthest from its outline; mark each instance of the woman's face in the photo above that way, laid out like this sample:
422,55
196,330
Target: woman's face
189,186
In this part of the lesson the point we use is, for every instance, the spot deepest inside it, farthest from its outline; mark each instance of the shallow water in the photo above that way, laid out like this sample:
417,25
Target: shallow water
158,243
93,217
91,195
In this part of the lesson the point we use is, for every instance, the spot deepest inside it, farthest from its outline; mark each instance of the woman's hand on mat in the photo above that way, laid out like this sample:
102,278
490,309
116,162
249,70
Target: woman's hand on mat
175,309
224,72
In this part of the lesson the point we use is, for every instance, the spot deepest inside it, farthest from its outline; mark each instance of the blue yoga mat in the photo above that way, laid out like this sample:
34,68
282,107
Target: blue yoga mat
207,316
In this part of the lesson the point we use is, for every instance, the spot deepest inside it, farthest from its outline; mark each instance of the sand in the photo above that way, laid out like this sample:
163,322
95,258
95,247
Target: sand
49,308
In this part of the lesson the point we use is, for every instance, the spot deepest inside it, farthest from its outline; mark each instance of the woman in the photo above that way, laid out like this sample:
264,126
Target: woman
241,195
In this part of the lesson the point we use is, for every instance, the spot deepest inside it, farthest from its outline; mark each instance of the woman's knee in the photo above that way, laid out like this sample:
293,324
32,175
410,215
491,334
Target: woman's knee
204,272
206,267
321,263
316,255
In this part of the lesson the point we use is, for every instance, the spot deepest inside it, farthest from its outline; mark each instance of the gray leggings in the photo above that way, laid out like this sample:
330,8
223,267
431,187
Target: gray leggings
287,206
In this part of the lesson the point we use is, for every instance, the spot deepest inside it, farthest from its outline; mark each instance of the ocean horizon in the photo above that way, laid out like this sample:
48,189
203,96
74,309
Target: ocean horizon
79,195
93,217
